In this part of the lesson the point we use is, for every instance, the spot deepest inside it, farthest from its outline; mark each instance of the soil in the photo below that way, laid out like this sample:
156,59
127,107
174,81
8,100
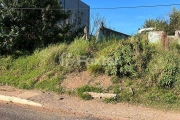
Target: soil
71,105
76,80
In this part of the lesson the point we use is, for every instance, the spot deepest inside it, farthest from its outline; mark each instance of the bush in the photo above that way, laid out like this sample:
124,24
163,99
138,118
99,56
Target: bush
123,58
164,69
27,36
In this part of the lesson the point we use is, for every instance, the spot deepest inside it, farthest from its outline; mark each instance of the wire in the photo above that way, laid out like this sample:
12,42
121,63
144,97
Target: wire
127,7
148,6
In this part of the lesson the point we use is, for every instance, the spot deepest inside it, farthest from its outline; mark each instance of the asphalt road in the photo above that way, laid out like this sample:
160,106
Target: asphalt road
16,112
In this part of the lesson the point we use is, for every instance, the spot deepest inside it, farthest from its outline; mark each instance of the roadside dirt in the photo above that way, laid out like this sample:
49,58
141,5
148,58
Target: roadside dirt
70,105
76,80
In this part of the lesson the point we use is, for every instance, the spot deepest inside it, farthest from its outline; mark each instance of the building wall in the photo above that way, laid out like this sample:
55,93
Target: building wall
79,9
107,33
161,37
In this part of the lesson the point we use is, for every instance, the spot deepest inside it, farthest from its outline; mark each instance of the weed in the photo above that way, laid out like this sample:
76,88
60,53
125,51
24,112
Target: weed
96,69
111,100
86,88
115,79
85,96
153,72
116,89
79,47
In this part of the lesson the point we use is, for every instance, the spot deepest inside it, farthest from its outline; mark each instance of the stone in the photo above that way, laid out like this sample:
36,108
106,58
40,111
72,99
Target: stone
101,95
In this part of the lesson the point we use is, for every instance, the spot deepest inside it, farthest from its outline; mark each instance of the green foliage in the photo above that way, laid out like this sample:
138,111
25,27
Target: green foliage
160,96
123,58
149,75
40,68
85,96
168,26
117,59
79,47
26,30
50,85
111,100
120,62
115,79
86,88
169,98
77,55
164,69
171,71
126,96
159,24
174,21
116,89
96,69
52,54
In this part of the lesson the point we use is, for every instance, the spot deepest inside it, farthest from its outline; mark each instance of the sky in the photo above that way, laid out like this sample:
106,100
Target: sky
128,21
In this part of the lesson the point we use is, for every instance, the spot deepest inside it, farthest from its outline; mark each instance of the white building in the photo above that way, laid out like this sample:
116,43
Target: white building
81,12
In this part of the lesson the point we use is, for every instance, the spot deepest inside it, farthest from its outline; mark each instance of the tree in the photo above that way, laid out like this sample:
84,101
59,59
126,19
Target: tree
26,29
157,23
168,26
96,21
174,21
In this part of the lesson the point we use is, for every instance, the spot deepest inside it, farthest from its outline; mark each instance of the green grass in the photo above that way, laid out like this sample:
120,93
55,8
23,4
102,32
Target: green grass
23,72
86,88
152,72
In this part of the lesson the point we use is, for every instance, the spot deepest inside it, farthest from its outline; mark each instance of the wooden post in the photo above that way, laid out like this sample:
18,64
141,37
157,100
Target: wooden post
85,33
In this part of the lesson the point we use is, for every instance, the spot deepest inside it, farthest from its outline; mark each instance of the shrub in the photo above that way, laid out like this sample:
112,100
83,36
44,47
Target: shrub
164,69
123,58
168,77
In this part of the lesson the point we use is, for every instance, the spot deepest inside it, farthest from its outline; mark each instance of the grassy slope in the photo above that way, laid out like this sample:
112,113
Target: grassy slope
150,71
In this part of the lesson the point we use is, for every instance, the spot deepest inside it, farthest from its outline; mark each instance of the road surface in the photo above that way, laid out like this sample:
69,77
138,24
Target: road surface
17,112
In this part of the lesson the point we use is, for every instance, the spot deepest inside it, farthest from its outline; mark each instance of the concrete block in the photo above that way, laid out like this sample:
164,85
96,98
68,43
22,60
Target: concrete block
19,100
101,95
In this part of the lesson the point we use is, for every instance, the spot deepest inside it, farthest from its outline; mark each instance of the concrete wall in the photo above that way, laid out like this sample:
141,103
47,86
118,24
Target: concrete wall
107,33
79,9
156,36
161,37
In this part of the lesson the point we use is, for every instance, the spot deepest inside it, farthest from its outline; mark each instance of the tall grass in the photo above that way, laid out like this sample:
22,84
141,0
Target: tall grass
150,70
25,71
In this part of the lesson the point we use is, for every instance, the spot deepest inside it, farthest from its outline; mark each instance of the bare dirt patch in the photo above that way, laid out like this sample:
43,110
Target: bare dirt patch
76,80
